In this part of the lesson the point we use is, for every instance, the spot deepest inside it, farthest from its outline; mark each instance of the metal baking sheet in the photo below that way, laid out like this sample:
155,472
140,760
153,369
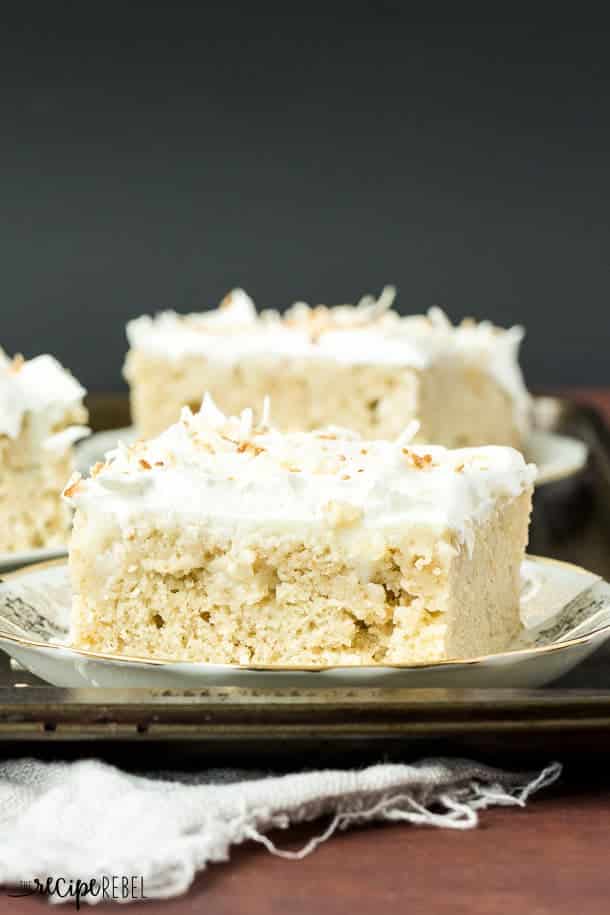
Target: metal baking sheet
280,729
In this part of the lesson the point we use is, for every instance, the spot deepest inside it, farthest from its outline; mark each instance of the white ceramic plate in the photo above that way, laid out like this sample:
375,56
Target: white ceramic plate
557,456
565,611
94,448
9,561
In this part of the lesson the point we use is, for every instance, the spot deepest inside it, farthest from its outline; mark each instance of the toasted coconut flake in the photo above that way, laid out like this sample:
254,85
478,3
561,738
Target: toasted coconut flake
73,484
320,319
438,318
245,424
249,446
266,417
371,309
17,363
210,412
186,415
420,461
409,433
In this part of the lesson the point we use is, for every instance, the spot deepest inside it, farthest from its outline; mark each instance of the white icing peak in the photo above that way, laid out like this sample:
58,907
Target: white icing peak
369,332
232,471
40,387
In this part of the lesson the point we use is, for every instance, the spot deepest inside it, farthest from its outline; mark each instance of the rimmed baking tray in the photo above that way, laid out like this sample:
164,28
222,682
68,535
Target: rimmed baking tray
282,728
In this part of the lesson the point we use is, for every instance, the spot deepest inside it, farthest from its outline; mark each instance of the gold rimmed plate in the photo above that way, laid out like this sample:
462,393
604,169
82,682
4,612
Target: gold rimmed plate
557,457
565,612
10,561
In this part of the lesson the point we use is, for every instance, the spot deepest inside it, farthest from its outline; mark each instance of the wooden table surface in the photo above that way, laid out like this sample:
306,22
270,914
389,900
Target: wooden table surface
548,858
551,857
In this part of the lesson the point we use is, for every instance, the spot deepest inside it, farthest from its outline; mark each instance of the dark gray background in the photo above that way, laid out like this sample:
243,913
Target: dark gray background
154,156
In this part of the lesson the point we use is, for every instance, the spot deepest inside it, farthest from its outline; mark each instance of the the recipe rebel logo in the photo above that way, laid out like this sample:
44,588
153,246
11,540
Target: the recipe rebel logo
110,888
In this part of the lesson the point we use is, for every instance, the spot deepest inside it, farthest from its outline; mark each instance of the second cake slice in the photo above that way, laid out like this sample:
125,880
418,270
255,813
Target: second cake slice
362,366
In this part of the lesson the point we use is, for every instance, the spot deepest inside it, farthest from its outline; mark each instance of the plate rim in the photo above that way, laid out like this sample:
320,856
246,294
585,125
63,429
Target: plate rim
574,468
22,556
305,669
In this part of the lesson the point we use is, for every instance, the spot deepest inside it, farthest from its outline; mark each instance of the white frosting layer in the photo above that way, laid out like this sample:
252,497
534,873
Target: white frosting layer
225,473
42,389
367,333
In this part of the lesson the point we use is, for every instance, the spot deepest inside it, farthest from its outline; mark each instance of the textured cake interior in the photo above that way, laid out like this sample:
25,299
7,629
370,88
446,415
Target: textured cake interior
32,511
272,598
458,405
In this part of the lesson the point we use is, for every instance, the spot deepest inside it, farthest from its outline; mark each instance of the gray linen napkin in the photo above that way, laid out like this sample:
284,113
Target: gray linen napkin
89,821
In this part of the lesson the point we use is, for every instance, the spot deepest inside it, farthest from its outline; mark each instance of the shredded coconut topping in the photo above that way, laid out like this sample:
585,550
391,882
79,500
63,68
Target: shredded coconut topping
370,332
44,391
238,470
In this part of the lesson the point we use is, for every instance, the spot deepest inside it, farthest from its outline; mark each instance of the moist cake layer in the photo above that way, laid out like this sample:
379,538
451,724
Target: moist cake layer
289,599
